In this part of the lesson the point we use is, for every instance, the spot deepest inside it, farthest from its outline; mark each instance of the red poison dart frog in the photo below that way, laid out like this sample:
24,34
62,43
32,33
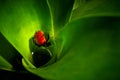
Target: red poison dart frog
40,39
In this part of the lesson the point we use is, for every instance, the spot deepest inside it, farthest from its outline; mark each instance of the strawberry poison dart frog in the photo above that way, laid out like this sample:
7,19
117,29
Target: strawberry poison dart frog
40,38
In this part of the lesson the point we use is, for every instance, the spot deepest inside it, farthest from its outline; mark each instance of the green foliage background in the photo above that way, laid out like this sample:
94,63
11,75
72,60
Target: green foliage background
86,35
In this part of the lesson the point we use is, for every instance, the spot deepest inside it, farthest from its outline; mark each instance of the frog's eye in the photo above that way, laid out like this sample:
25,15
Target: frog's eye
39,38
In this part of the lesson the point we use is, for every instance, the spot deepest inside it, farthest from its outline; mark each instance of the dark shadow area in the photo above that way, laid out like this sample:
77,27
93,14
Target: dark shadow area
8,75
41,57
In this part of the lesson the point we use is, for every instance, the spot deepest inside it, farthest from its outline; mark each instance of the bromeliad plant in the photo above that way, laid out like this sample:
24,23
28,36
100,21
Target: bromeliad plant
60,39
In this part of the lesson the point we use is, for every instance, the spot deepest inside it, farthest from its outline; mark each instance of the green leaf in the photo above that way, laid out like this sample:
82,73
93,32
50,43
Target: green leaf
43,12
60,12
87,8
90,51
9,55
5,64
21,19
